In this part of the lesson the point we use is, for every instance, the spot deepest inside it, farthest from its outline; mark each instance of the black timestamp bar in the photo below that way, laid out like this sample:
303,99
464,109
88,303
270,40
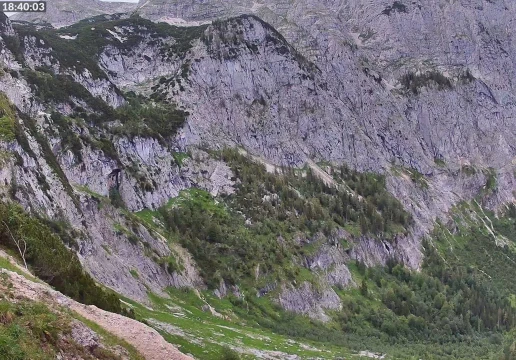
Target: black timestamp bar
23,6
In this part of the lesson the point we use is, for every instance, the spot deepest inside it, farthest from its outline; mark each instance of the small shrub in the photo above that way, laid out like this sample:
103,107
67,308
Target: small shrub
7,120
491,183
395,7
414,83
69,139
229,354
116,198
439,162
468,170
133,239
418,178
142,118
14,45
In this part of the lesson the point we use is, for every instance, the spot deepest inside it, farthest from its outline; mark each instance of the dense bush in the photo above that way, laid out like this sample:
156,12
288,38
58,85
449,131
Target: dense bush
310,206
442,312
7,119
447,310
414,83
222,247
443,301
14,45
475,246
144,119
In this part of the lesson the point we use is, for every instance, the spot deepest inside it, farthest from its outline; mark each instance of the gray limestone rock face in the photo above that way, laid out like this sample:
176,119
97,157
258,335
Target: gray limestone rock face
66,12
37,53
309,301
361,114
84,336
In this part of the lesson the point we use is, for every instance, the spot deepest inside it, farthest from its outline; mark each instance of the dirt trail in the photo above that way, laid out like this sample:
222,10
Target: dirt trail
269,167
326,178
149,343
145,339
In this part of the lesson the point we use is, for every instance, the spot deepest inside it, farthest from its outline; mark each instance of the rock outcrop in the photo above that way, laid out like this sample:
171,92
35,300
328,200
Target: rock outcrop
306,300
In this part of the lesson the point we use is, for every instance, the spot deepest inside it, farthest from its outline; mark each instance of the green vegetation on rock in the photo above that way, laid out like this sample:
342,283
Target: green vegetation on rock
259,226
69,139
54,89
394,311
50,259
30,331
145,119
413,82
7,120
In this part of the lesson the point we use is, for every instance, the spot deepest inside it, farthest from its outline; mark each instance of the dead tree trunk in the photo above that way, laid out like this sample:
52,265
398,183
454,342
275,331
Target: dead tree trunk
20,244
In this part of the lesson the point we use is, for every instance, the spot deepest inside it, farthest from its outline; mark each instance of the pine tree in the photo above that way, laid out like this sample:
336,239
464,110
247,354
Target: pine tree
363,288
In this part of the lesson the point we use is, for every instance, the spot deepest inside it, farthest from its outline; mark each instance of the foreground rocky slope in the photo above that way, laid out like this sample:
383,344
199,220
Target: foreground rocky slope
18,287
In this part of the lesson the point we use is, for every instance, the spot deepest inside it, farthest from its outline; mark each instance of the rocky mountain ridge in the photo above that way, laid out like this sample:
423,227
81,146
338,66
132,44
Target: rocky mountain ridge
63,12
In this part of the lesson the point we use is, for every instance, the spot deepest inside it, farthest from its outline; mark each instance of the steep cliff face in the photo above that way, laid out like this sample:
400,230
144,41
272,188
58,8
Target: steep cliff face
64,171
288,110
111,244
376,61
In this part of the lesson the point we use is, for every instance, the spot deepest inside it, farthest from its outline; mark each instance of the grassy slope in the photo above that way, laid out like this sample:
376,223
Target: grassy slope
205,335
196,332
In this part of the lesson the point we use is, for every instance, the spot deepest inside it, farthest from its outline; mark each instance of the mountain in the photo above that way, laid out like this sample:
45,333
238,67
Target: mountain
64,12
340,172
